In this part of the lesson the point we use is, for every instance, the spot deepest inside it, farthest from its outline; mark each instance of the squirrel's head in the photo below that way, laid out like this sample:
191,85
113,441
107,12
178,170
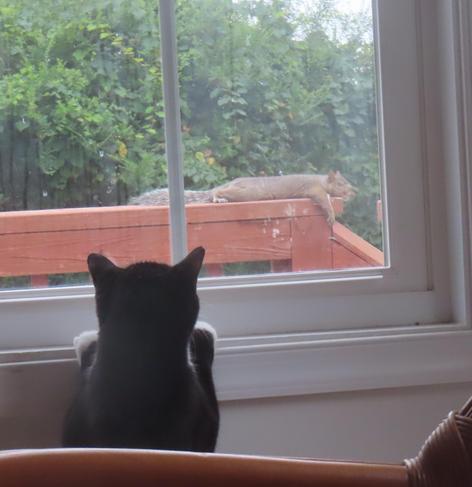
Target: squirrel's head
338,185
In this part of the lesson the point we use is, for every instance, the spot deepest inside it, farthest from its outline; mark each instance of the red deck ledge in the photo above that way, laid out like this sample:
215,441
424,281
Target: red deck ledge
293,233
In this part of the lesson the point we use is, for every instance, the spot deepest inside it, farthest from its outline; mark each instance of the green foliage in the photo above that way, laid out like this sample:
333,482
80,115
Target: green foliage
266,88
82,85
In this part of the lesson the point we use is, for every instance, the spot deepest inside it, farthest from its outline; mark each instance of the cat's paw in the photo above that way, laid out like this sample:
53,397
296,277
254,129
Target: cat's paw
83,342
203,325
202,344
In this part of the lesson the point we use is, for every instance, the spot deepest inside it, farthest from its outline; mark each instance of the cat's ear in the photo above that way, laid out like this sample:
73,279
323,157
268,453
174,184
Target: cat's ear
191,265
331,176
100,267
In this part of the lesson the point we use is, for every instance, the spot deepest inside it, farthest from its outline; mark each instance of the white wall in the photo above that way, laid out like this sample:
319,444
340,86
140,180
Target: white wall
383,425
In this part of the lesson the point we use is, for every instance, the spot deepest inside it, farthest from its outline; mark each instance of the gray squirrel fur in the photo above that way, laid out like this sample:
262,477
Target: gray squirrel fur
160,197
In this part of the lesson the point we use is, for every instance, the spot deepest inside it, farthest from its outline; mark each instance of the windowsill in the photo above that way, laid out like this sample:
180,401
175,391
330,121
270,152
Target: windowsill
314,363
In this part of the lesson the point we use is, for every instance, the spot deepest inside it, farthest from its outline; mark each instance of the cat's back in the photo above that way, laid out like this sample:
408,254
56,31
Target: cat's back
125,408
142,409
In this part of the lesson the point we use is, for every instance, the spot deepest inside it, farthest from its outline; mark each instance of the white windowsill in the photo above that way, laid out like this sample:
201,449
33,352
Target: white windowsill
312,363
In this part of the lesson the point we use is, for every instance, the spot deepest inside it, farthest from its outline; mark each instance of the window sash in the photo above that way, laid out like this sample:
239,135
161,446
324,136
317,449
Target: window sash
173,138
408,265
404,293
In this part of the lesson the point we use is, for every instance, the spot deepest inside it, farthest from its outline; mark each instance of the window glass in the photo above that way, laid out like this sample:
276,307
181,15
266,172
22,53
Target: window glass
281,93
268,89
81,126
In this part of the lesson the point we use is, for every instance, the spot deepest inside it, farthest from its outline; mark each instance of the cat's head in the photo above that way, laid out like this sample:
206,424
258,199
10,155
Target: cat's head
147,299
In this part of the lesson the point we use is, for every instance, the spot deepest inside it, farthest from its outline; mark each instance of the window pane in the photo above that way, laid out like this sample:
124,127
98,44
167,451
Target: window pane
81,126
267,88
272,89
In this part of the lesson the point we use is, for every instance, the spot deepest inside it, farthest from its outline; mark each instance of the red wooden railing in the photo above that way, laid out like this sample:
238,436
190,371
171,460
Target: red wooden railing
291,234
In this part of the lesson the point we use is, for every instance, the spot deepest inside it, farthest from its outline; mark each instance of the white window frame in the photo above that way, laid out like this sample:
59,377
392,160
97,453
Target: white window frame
320,332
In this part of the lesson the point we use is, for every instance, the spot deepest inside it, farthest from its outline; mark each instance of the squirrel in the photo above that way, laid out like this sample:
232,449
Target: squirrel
317,187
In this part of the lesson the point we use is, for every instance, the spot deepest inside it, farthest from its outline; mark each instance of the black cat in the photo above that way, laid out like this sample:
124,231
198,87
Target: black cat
146,378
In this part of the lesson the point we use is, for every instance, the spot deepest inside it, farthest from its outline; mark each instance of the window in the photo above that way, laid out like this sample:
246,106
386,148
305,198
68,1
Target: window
408,288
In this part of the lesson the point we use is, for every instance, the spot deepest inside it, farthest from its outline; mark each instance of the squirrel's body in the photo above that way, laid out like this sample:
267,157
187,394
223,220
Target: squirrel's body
317,187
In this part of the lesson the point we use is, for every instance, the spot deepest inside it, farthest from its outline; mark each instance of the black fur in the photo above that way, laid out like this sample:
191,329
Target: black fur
138,387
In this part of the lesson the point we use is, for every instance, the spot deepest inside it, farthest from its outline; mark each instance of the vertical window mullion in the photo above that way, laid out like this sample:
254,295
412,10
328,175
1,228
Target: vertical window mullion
173,139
